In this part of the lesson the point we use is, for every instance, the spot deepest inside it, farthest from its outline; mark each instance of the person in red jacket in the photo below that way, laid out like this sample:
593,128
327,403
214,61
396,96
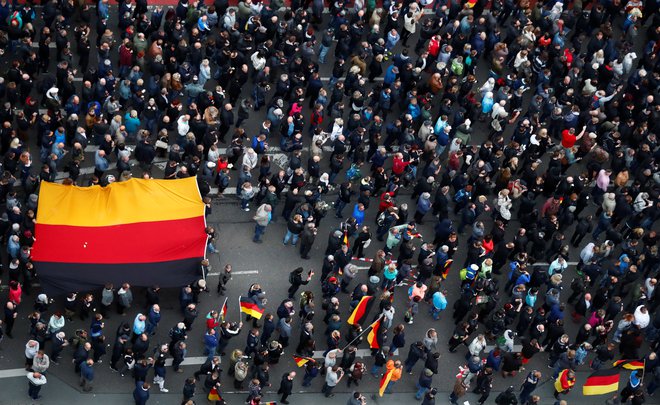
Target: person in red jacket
386,201
399,165
212,320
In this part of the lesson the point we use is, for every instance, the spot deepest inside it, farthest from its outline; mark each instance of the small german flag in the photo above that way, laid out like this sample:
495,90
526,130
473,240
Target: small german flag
223,310
251,308
301,361
345,241
601,382
372,337
629,364
447,266
361,310
384,381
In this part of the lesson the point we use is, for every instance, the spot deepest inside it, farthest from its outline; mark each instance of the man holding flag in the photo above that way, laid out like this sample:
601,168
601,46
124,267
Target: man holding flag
393,373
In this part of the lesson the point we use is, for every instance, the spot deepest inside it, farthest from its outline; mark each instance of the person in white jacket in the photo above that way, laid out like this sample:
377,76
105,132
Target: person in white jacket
31,350
503,205
477,345
35,382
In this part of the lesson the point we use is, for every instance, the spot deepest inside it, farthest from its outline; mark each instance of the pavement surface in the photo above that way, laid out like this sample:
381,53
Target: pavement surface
269,264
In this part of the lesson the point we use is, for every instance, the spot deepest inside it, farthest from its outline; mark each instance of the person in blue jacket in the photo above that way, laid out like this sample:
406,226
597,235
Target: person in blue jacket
141,393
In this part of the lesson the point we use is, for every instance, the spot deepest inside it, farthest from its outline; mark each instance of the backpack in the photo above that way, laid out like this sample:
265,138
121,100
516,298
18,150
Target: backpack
460,196
380,221
457,67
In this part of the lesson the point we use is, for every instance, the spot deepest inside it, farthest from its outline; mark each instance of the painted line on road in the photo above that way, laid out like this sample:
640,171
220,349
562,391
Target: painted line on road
14,372
235,273
516,348
548,264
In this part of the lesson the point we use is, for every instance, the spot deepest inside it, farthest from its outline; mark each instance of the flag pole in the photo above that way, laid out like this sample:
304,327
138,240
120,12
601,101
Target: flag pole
223,307
363,332
643,371
239,308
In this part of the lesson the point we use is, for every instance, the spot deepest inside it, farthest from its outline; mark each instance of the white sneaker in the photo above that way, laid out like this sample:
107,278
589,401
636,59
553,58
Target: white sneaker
164,390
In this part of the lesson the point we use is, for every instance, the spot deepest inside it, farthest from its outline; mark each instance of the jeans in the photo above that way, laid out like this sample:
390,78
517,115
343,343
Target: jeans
258,231
244,203
375,370
323,51
339,205
210,352
307,380
388,389
435,313
211,248
420,392
290,236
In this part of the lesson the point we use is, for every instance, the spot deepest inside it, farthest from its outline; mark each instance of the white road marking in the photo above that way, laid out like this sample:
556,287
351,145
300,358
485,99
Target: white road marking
236,273
14,372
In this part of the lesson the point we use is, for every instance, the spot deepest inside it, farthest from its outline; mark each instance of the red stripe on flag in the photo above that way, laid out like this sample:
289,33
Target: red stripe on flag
144,242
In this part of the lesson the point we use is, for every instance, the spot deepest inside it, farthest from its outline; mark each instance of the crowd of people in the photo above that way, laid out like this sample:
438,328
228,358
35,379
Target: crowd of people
556,141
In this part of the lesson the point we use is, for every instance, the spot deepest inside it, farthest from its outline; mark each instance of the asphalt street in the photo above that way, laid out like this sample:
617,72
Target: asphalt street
269,264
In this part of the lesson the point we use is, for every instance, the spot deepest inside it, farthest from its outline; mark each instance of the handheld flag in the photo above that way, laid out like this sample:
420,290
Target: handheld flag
301,361
384,381
360,311
372,337
223,310
251,308
601,382
629,364
213,395
447,266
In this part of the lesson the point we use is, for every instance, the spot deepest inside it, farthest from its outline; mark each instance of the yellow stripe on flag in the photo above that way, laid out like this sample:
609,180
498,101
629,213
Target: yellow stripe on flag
384,381
120,203
600,389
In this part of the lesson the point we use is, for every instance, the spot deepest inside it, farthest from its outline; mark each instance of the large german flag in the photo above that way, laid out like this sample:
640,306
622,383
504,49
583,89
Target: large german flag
601,382
361,310
372,337
251,308
629,364
384,381
142,232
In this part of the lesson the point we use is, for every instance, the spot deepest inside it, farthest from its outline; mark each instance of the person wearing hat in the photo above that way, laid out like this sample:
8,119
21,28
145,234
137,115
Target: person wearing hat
634,382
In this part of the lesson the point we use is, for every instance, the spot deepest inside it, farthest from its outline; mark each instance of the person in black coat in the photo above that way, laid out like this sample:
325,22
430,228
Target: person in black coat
307,240
296,279
252,342
189,389
286,386
583,227
141,369
432,362
417,352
